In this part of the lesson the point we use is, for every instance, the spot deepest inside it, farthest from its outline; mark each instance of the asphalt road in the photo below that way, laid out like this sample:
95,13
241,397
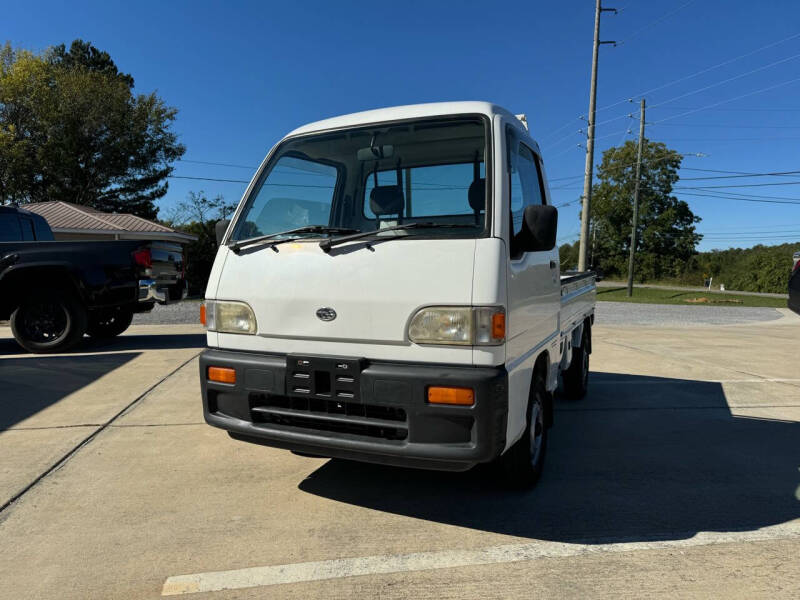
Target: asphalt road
716,290
665,315
609,313
677,476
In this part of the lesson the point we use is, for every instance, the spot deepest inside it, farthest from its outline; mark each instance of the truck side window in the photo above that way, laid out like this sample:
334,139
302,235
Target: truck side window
9,228
296,193
525,183
42,229
28,234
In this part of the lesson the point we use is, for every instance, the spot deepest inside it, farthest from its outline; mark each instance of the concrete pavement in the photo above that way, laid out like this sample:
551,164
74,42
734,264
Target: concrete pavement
50,404
676,476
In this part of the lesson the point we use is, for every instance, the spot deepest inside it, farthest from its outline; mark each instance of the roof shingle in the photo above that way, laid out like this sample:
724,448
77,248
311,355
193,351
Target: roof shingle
64,215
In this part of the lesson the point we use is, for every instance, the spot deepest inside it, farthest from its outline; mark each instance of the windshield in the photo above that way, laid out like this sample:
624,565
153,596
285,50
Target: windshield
372,178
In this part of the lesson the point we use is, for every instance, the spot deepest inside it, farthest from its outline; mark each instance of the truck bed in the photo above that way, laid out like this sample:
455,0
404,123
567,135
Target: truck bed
578,295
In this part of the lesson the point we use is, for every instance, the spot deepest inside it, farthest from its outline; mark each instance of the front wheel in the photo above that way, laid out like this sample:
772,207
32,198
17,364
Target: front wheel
49,321
110,323
521,465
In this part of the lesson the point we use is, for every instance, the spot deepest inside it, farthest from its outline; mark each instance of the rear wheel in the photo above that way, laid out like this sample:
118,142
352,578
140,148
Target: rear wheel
49,321
521,465
109,323
576,377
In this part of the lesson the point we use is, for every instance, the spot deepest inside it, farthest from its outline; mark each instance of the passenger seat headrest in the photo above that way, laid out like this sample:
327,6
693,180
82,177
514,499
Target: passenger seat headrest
477,194
387,200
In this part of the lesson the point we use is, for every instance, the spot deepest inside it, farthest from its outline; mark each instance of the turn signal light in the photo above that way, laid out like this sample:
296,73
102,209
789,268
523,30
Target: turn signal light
499,325
451,395
203,313
222,374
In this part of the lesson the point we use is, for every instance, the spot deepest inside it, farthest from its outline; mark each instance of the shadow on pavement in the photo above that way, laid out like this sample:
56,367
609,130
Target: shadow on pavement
124,342
29,385
640,458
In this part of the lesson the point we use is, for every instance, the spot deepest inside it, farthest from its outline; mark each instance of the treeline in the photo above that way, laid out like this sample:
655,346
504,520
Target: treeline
756,269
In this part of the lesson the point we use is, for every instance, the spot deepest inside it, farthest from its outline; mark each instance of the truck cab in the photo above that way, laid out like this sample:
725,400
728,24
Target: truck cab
388,290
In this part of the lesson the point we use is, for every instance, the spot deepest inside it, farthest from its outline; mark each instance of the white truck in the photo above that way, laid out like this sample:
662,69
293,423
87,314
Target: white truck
389,291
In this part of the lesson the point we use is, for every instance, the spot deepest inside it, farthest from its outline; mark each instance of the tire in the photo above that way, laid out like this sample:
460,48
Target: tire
49,321
576,377
521,465
109,323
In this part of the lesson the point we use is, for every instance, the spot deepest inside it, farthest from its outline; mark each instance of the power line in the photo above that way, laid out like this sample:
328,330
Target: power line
691,76
743,195
738,175
750,236
702,71
209,179
658,158
564,126
563,178
715,104
725,126
778,226
217,164
789,238
656,21
736,139
561,139
711,187
740,199
737,109
728,80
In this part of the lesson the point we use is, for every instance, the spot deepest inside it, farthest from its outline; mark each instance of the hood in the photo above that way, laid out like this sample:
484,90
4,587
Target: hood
374,291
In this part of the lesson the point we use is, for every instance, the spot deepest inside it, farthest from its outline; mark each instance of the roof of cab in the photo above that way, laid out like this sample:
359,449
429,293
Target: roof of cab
411,111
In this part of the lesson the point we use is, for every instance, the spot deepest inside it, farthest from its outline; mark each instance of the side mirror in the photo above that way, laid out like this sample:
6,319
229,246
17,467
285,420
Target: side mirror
539,229
220,228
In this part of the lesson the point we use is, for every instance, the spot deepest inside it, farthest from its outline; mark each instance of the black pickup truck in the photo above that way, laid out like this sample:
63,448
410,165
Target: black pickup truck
54,292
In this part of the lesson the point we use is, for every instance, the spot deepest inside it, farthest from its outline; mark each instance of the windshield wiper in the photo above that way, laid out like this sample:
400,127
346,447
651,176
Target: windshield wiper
237,246
326,245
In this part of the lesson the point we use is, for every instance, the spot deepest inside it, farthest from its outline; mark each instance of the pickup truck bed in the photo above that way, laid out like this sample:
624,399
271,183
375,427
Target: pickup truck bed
578,294
55,291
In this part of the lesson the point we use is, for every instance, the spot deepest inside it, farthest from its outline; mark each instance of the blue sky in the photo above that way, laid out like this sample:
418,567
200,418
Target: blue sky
242,74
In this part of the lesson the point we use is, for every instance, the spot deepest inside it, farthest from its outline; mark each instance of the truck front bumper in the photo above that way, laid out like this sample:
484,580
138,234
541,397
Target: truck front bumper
387,419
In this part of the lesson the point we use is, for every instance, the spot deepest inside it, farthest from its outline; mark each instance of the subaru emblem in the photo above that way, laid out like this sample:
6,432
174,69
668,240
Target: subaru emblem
326,313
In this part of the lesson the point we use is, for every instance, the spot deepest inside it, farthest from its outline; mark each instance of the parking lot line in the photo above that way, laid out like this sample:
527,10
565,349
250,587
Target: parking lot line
653,380
423,561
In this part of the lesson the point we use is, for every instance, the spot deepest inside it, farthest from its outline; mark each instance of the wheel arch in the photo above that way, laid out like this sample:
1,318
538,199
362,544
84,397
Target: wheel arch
542,367
18,281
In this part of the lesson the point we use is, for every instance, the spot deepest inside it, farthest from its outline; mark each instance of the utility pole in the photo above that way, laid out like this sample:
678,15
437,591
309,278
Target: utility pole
587,180
636,201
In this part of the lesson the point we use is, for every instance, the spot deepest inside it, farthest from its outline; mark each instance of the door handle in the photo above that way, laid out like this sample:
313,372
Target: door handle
553,264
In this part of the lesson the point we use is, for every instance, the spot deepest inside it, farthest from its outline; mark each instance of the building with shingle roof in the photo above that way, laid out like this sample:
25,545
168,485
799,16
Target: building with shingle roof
73,222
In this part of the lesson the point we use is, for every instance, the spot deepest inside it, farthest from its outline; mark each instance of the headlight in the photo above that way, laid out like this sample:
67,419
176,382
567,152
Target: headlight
460,325
230,317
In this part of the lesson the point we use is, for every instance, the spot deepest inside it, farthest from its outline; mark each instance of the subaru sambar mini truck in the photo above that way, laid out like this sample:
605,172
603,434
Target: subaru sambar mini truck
389,291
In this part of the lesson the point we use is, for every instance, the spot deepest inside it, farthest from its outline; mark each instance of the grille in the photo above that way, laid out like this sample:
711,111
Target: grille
366,420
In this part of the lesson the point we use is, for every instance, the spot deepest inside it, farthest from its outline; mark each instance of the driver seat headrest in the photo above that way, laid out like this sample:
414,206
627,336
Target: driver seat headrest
477,194
387,200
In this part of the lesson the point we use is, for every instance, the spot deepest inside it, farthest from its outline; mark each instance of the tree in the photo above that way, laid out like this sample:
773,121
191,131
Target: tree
198,215
757,269
568,255
666,235
72,129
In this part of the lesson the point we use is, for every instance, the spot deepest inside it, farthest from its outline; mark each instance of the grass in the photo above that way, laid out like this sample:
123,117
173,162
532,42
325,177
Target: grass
684,298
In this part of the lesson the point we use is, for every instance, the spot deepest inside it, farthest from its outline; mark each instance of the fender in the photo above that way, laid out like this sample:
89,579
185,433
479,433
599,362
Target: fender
64,268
